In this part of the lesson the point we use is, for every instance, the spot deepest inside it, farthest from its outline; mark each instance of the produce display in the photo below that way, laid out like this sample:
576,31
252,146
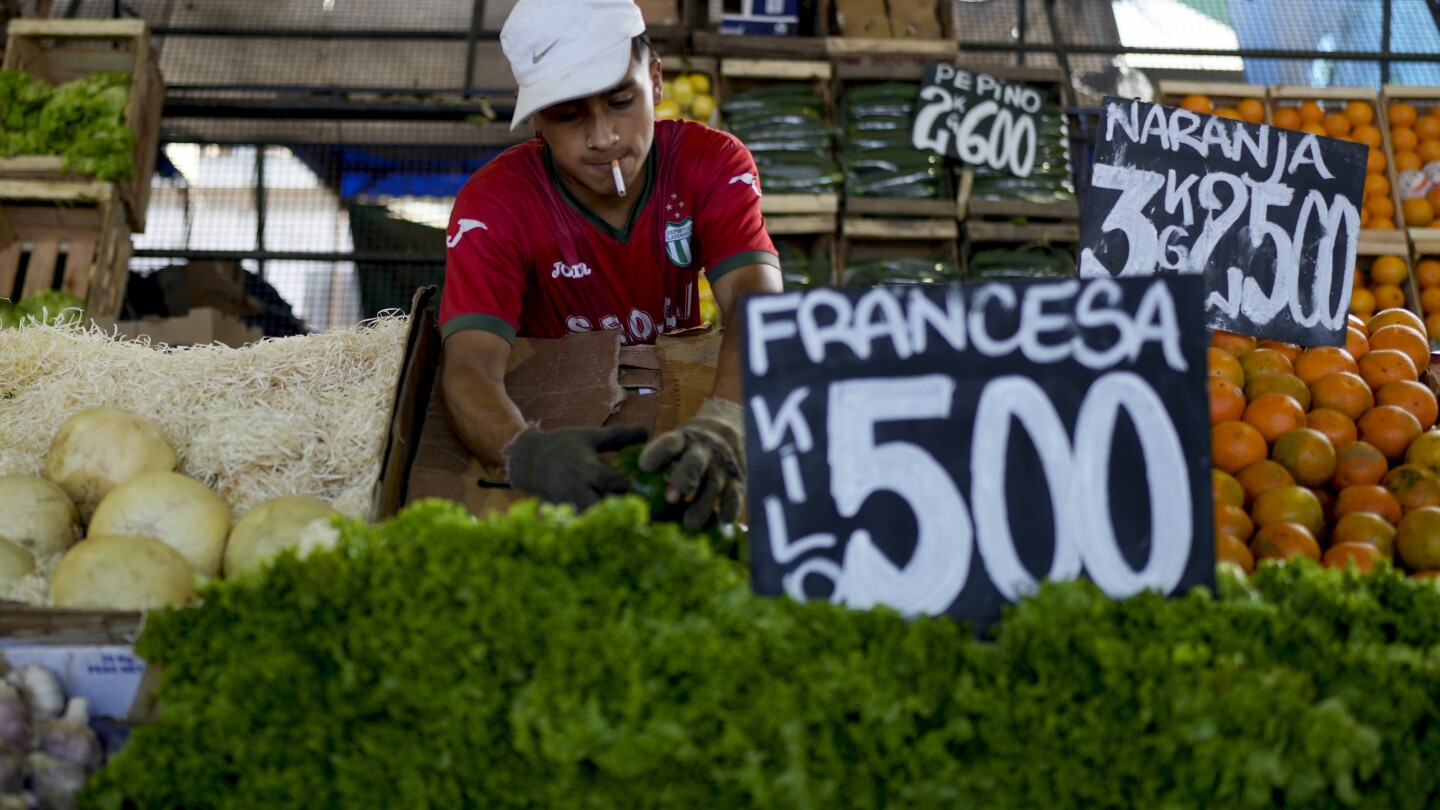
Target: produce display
785,127
803,267
687,96
53,307
82,121
1415,136
1350,121
47,747
899,272
1379,286
1026,261
1327,453
876,153
1050,181
538,659
1427,280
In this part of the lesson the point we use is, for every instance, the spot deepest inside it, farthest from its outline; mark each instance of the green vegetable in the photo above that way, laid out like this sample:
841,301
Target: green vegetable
8,318
52,307
543,660
82,120
727,541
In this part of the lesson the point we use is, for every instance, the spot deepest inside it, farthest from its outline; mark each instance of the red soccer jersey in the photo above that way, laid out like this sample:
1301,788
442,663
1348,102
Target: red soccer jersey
524,257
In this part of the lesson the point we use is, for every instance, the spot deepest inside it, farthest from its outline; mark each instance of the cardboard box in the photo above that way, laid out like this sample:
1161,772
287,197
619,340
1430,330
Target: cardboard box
580,380
760,17
862,18
915,19
660,12
109,676
201,325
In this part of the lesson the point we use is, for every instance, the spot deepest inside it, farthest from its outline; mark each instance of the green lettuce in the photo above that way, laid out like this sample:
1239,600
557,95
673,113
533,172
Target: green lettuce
81,120
53,307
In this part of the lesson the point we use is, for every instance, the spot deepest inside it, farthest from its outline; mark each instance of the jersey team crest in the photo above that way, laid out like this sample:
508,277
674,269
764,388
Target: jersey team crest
677,242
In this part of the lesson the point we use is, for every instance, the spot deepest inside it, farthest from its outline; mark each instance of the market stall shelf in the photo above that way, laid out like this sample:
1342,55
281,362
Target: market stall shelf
58,51
72,237
1412,115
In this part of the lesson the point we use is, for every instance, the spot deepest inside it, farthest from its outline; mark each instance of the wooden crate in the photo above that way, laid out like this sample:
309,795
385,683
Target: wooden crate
1425,100
67,236
1425,245
58,51
1373,242
818,241
674,66
797,224
1171,93
914,27
741,75
1364,258
861,244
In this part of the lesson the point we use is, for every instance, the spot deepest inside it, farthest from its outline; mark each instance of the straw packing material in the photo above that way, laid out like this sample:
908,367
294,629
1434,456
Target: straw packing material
305,415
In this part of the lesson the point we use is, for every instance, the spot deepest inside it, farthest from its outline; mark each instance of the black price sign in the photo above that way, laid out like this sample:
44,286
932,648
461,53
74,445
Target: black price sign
1270,217
942,449
977,118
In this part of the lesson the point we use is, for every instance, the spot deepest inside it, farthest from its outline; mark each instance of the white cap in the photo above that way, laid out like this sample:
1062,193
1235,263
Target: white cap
562,50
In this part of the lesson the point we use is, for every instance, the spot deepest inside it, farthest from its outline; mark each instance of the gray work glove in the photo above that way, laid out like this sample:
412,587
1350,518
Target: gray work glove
564,466
709,455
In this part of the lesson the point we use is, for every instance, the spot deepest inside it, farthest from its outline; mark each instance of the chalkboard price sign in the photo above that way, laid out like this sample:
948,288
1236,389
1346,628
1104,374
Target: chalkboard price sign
978,119
942,449
1269,217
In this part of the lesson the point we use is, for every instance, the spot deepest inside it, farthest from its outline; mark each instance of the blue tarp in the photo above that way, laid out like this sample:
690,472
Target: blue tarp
1335,25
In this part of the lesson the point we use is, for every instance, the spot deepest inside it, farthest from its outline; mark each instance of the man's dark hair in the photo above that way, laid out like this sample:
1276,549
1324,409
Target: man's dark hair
641,49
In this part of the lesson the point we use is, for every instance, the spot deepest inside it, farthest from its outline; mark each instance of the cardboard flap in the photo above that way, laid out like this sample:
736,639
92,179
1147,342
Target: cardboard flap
567,382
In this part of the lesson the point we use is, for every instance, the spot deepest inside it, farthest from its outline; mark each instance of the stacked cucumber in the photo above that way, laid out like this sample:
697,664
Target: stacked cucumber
1029,261
1049,182
876,150
785,128
802,268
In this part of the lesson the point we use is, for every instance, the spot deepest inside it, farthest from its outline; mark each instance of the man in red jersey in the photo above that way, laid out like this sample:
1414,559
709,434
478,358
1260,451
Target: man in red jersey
603,221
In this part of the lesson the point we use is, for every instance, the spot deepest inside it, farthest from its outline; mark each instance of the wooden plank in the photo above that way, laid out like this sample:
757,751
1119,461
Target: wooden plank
800,224
890,70
876,228
7,233
40,272
55,192
713,43
77,29
1425,240
852,46
799,204
1006,232
1057,211
1295,91
79,262
775,69
33,163
29,54
1171,87
59,625
897,207
1400,91
9,267
1381,243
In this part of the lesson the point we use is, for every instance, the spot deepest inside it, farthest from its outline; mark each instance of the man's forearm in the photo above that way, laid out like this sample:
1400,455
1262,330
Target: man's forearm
743,281
481,413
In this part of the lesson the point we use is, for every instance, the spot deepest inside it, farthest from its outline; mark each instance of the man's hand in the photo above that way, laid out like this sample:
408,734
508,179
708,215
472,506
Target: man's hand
564,466
710,470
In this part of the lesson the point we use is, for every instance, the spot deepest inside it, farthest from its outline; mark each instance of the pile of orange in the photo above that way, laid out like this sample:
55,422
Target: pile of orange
1381,287
1354,122
1327,453
1427,277
1416,139
1245,109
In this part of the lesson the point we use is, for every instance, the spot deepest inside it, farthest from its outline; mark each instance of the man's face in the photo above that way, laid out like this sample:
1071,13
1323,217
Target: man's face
586,134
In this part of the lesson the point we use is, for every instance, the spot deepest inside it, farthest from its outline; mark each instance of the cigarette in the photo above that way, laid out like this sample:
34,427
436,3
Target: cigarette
619,181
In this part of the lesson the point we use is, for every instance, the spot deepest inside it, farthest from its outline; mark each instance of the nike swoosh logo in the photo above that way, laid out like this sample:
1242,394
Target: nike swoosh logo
536,57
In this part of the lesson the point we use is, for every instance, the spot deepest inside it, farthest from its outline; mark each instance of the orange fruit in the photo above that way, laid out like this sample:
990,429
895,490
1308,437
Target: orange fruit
1380,206
1198,103
1230,549
1360,556
1336,426
1287,118
1433,195
1413,487
1430,302
1397,315
1408,339
1327,508
1232,342
1403,139
1290,350
1424,452
1368,135
1401,114
1345,392
1359,323
1388,296
1381,366
1233,520
1372,498
1287,384
1389,270
1360,113
1377,184
1427,273
1381,224
1414,397
1235,446
1311,113
1251,109
1374,162
1281,541
1308,455
1366,527
1261,477
1390,429
1264,361
1227,403
1274,414
1407,160
1429,151
1362,302
1336,125
1432,326
1229,112
1356,343
1357,464
1314,129
1427,128
1417,213
1418,539
1222,364
1321,360
1225,489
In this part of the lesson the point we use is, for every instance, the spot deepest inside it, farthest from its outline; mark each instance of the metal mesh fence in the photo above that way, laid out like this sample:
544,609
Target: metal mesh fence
318,144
